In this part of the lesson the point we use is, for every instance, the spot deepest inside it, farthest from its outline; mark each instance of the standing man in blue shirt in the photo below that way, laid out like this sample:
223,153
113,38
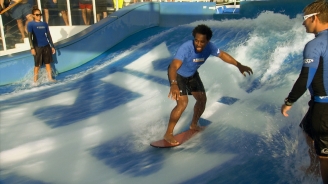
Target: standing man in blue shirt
185,80
314,76
41,44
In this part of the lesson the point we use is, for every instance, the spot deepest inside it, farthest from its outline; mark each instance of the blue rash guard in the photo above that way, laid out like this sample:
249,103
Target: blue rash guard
192,60
314,73
40,31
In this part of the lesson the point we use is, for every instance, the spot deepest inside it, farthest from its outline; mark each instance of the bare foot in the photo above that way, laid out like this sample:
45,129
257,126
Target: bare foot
196,127
170,139
35,84
52,80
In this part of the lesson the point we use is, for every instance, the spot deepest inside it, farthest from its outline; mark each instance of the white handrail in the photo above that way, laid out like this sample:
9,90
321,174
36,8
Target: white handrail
94,11
3,34
69,12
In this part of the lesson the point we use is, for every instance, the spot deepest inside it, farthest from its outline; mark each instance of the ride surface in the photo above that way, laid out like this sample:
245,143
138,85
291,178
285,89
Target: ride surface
95,124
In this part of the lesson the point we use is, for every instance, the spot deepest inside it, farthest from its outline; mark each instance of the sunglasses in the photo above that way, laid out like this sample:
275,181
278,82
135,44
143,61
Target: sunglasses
37,15
309,15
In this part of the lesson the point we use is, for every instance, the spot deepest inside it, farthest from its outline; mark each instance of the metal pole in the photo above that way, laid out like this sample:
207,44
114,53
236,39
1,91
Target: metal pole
69,13
3,34
39,5
94,11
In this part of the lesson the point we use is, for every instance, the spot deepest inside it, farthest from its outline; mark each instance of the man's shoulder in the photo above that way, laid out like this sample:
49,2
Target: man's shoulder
316,42
187,44
31,23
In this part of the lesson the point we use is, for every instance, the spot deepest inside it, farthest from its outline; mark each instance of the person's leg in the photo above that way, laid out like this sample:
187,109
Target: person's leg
324,169
120,4
65,17
20,26
46,15
88,16
98,17
314,161
198,109
320,132
174,118
84,16
105,14
49,72
36,73
29,18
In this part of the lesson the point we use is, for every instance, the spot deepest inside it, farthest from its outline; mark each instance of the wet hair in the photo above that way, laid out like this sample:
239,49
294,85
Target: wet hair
318,6
204,30
34,9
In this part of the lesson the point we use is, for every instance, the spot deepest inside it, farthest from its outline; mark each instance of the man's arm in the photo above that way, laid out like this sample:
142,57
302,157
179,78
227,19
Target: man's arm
174,89
2,4
53,50
30,35
229,59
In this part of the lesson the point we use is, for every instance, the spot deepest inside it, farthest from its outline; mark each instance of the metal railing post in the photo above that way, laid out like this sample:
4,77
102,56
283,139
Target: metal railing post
39,5
94,11
3,34
69,13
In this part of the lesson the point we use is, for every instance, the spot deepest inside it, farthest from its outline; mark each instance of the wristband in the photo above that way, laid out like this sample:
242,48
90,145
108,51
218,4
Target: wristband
174,82
288,103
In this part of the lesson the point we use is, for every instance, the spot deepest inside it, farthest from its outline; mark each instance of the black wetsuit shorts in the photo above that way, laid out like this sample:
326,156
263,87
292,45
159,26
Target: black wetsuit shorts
43,55
315,124
320,128
190,84
306,121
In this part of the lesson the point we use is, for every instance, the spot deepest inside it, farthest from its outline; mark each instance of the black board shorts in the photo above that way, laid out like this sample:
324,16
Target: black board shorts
319,121
306,121
43,55
189,84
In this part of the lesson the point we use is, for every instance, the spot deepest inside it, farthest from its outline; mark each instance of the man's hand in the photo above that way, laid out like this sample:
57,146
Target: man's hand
243,69
53,50
285,109
33,52
174,93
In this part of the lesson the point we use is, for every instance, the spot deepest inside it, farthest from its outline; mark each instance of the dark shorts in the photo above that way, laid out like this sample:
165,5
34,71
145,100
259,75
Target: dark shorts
62,5
20,11
101,6
306,121
320,128
190,84
43,55
45,4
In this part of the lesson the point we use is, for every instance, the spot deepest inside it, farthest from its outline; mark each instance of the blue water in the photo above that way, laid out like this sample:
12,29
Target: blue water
95,124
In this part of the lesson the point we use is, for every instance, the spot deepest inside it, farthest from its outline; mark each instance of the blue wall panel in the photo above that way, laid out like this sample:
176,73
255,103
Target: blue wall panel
174,14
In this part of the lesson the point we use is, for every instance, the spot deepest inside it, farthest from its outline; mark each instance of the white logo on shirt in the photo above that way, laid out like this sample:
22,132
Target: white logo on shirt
323,97
198,60
307,61
40,27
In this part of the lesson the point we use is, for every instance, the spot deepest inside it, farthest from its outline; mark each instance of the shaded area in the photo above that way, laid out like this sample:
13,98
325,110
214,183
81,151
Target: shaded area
16,179
228,100
122,155
93,98
255,160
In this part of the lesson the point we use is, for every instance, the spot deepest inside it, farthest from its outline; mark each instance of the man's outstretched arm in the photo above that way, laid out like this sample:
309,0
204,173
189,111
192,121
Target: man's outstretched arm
229,59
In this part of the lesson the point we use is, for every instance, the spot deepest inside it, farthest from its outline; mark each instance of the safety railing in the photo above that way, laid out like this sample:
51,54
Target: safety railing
54,14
